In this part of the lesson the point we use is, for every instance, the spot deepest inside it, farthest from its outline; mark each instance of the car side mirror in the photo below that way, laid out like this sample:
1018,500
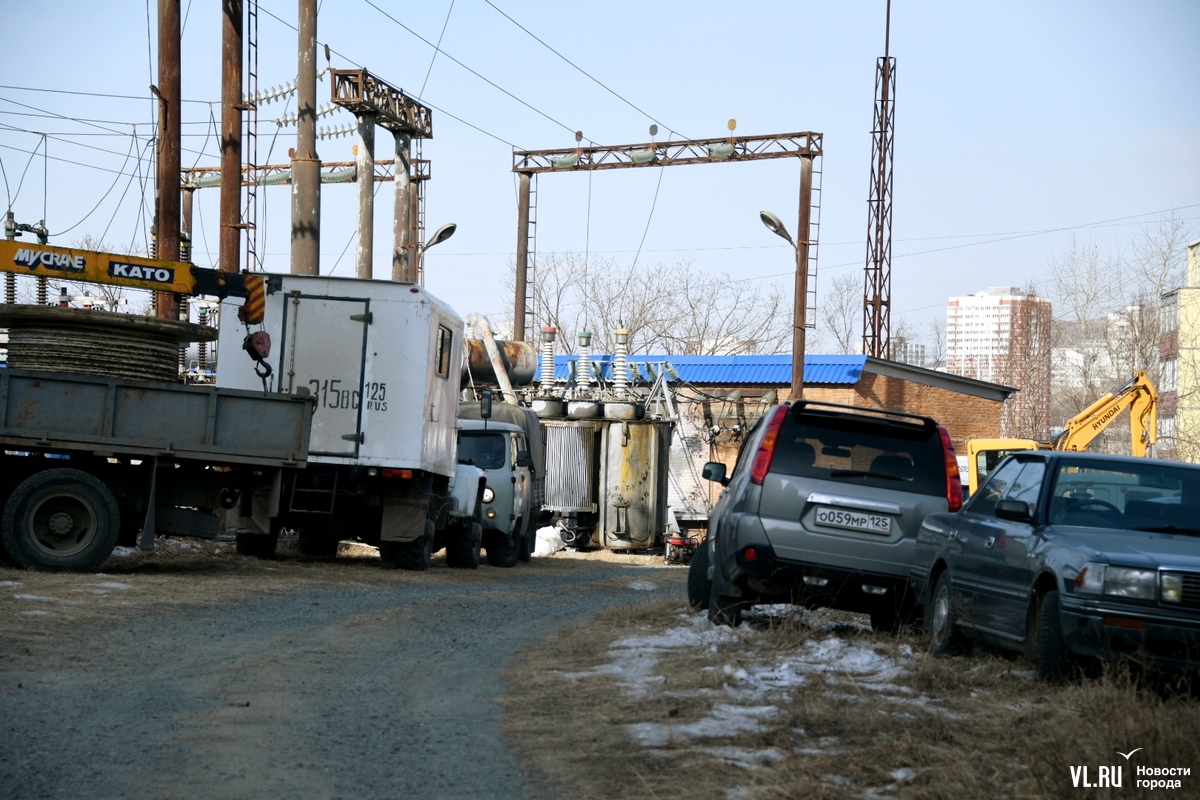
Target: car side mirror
1015,510
715,471
524,459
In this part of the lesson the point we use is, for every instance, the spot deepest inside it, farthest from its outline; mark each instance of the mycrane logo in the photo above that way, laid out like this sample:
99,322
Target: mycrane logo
60,262
120,269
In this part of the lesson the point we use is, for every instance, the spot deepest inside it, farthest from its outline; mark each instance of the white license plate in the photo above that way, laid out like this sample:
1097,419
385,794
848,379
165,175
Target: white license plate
853,520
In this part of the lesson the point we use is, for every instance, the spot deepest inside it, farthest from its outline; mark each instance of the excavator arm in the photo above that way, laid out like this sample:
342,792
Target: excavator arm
1138,395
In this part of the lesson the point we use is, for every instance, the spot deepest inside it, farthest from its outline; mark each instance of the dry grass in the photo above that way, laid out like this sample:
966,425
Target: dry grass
940,727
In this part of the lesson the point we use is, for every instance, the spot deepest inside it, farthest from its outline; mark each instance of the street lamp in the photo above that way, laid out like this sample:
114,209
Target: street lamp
440,235
800,305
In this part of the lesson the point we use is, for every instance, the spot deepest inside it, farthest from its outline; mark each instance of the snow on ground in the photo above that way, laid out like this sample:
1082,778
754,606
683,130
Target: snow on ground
643,586
751,692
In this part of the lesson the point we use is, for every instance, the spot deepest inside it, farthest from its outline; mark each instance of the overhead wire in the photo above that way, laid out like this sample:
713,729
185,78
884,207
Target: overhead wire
584,72
486,80
349,60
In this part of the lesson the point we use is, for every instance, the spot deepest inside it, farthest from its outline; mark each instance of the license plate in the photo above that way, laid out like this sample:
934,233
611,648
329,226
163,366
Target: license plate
853,520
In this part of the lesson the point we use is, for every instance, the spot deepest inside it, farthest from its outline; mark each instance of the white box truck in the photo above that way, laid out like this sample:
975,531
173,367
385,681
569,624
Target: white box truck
382,361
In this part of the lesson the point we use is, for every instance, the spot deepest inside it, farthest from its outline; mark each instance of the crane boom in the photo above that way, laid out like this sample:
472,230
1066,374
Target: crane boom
133,272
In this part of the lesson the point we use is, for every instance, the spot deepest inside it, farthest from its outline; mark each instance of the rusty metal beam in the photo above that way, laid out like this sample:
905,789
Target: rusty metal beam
281,173
362,93
725,149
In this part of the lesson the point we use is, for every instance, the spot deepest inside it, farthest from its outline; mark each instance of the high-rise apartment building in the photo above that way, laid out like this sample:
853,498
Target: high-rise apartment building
1002,335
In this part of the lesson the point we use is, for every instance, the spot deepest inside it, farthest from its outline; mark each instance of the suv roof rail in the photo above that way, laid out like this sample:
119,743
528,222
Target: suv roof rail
805,406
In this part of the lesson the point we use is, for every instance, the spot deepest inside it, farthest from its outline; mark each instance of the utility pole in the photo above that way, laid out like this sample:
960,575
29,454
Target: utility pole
230,241
365,165
168,91
306,165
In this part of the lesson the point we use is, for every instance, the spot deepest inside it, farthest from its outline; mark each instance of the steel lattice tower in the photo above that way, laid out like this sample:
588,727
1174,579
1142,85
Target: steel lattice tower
877,291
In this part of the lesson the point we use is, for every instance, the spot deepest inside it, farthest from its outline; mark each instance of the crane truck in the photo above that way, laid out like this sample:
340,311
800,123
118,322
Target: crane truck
1137,395
353,433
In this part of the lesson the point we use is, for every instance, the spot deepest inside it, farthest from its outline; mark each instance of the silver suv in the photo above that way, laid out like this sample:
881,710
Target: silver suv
822,509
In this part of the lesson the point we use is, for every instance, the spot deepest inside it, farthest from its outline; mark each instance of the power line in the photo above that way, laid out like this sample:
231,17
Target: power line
91,94
583,72
454,117
473,72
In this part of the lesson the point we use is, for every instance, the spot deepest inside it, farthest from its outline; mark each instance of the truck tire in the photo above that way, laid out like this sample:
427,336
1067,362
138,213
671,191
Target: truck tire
463,544
61,520
316,542
502,550
413,556
257,545
528,539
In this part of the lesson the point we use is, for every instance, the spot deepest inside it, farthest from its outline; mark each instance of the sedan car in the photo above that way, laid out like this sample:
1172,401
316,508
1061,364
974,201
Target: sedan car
1066,555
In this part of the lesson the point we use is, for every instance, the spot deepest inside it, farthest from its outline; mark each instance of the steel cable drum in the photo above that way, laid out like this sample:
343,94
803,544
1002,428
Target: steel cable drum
82,341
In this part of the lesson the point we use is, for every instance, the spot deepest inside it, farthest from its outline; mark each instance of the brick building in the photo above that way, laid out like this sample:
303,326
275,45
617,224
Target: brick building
720,397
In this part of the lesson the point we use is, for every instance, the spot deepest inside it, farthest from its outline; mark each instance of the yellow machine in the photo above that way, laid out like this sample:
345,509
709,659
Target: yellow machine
1137,394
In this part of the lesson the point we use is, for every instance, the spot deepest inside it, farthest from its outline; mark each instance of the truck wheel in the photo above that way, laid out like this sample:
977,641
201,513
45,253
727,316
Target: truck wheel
61,520
413,556
257,545
463,545
698,585
502,551
317,543
528,539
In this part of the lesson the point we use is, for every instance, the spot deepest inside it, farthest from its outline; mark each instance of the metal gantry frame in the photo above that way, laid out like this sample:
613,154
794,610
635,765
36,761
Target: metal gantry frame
721,150
375,102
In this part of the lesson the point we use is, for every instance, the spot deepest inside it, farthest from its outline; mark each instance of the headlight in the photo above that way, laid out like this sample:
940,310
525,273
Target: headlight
1138,584
1172,587
488,495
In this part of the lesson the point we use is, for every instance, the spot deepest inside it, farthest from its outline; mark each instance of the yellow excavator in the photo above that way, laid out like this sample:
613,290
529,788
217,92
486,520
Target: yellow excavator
1137,394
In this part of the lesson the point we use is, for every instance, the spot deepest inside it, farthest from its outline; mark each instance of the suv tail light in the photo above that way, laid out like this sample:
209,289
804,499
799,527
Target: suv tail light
953,479
766,448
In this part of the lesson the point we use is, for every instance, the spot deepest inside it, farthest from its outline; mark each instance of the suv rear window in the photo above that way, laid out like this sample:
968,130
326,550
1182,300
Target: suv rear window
886,454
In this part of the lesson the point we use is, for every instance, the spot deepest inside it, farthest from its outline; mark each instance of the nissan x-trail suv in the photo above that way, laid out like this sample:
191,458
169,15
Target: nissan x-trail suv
822,509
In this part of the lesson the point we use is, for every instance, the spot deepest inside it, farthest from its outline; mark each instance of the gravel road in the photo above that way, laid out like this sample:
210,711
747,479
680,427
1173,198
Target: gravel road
360,686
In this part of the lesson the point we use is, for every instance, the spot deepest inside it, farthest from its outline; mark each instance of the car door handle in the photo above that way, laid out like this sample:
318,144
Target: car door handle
990,542
951,536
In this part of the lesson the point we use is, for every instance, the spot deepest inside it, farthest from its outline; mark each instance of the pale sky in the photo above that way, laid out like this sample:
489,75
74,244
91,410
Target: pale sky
1018,125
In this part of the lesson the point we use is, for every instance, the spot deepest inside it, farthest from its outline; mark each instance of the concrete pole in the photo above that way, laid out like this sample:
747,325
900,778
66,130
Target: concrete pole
521,289
306,166
365,175
401,225
169,94
800,322
229,252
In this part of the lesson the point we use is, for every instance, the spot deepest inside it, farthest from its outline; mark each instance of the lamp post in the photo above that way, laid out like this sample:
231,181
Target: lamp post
800,305
440,235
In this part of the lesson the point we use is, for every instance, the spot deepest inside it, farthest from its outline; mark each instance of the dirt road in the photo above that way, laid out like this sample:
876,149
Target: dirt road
227,677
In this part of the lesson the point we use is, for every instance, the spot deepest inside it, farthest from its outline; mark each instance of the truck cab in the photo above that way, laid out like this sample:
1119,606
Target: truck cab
501,450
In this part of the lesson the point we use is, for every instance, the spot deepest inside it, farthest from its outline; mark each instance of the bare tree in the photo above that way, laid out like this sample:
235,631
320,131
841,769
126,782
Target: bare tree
668,309
840,312
935,356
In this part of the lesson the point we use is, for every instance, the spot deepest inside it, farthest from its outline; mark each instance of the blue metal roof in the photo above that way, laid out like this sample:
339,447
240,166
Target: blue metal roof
735,370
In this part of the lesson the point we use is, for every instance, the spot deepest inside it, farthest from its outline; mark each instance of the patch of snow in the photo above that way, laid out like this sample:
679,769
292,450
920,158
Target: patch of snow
123,552
744,757
643,586
902,774
724,720
114,585
9,584
35,613
36,597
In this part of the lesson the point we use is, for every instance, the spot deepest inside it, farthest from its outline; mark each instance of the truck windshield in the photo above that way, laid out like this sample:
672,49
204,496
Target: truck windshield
484,450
